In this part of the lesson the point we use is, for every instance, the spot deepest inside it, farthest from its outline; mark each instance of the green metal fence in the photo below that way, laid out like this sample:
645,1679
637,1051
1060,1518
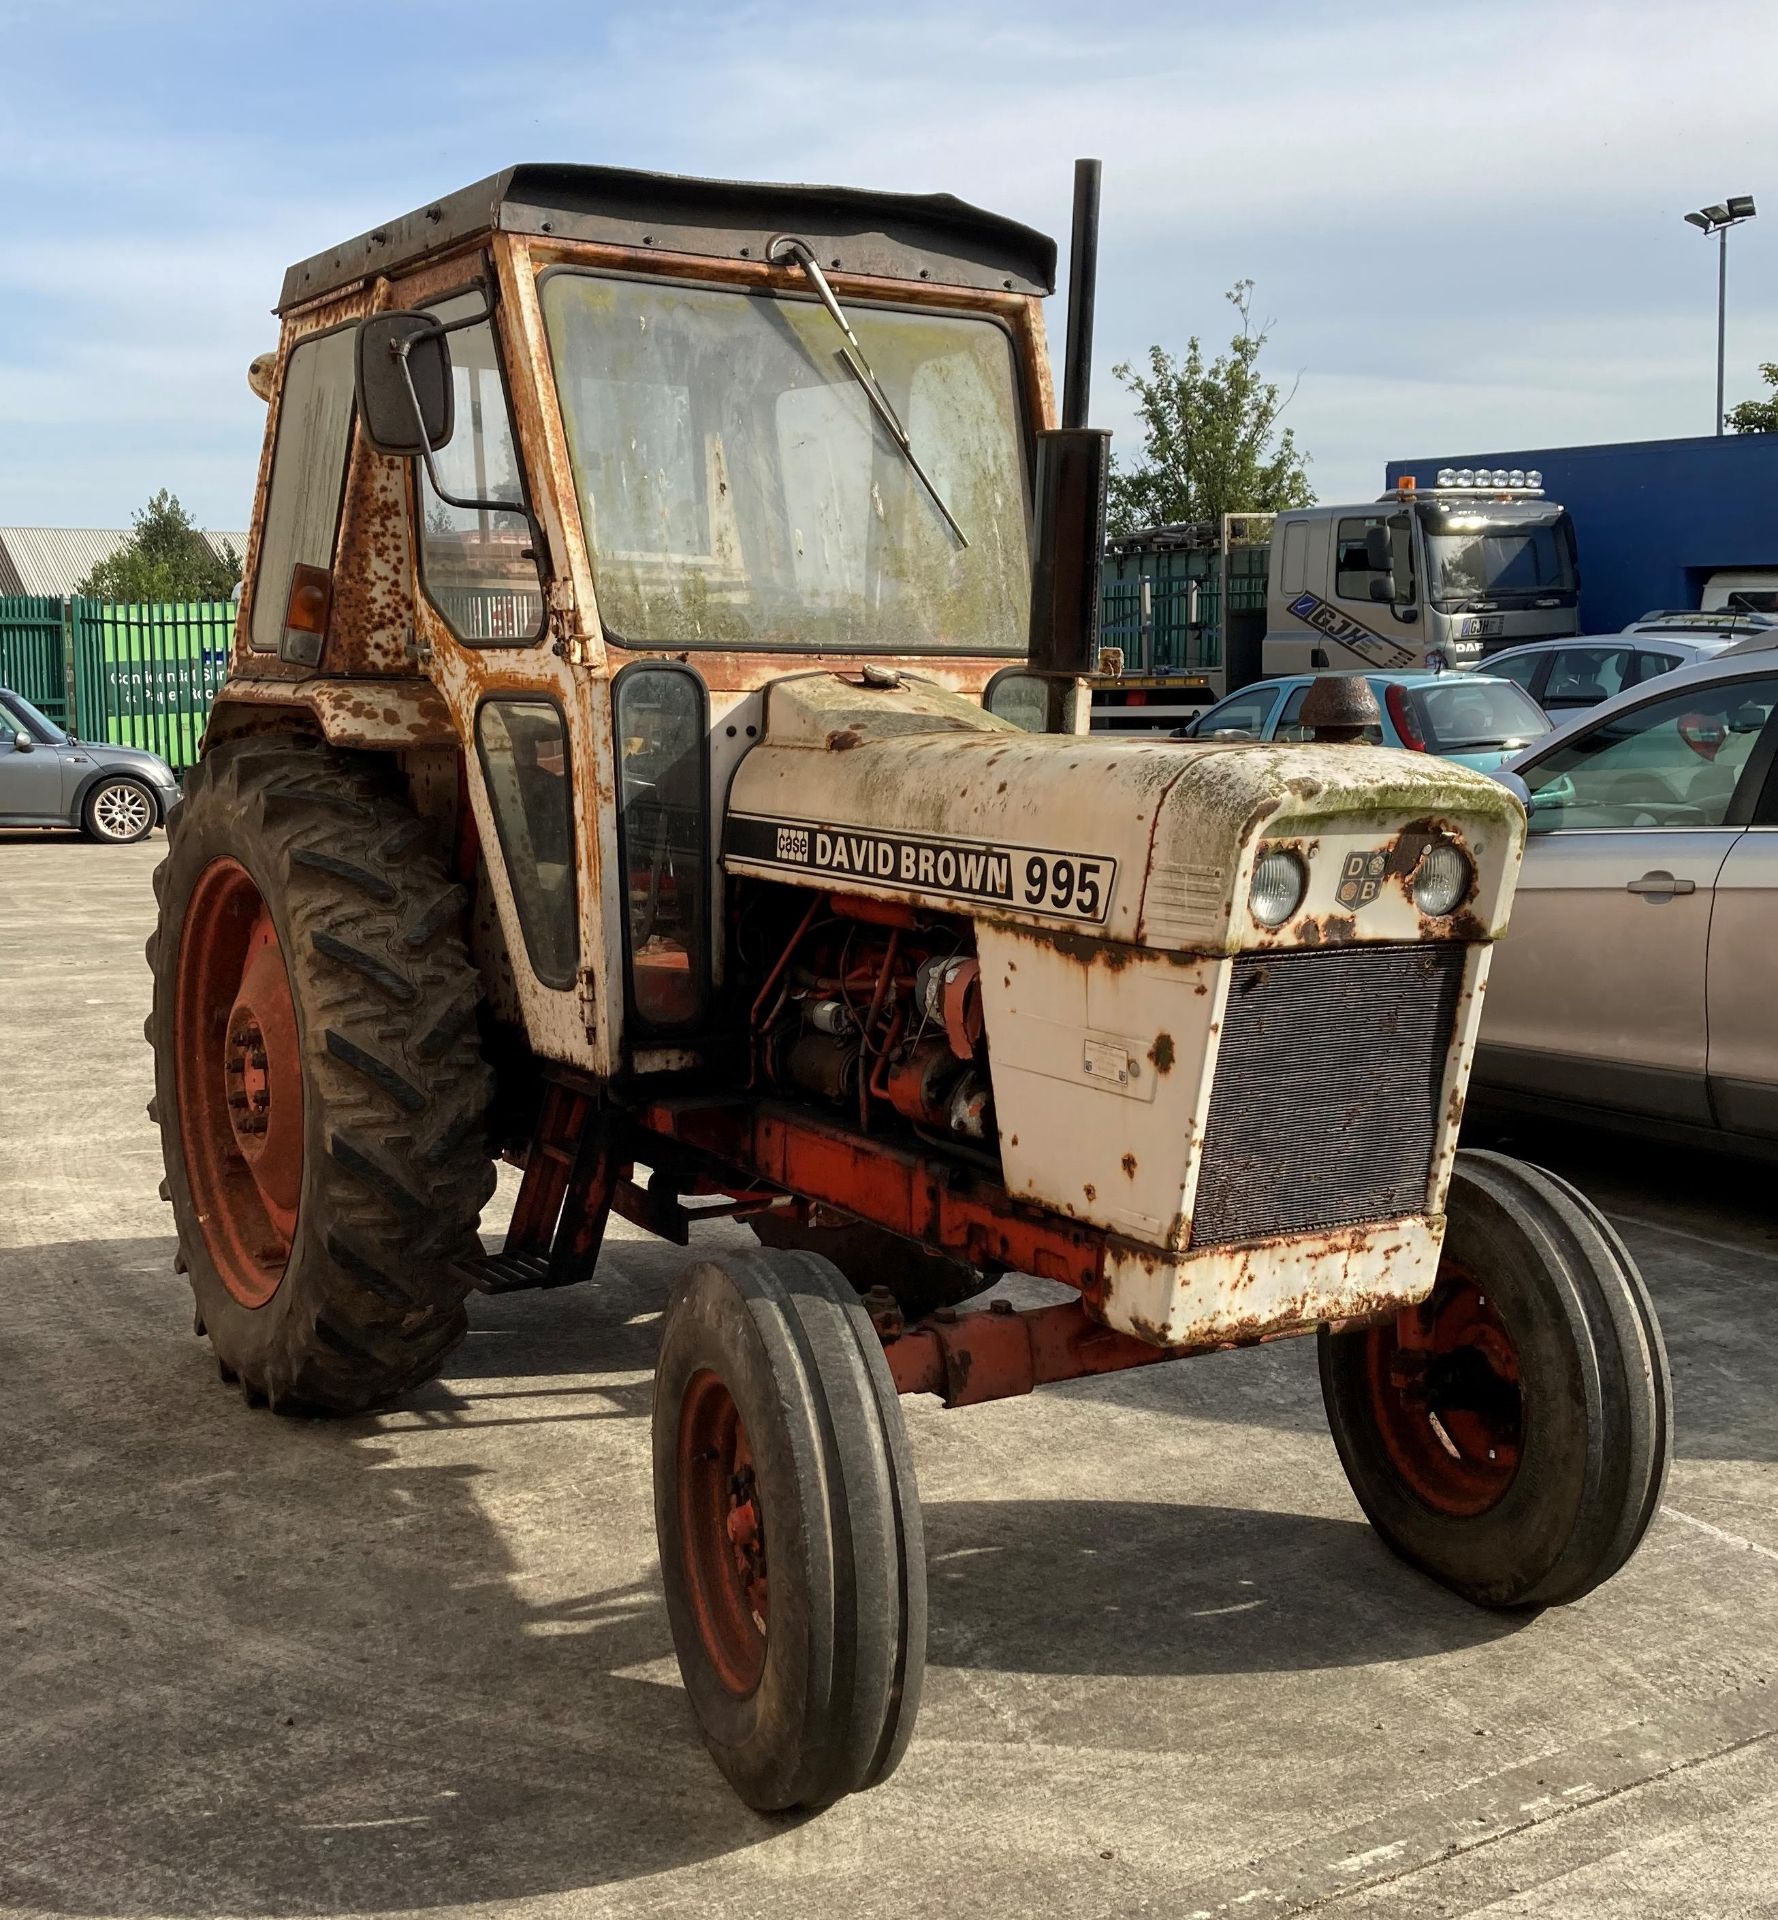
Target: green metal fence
138,674
33,653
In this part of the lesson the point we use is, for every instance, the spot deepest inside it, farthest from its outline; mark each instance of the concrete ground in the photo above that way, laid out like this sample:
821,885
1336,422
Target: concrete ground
419,1663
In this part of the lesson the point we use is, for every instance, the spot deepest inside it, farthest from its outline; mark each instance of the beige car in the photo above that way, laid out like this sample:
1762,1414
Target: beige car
1635,986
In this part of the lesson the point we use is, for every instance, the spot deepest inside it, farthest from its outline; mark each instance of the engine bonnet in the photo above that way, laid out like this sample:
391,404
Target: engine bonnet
912,792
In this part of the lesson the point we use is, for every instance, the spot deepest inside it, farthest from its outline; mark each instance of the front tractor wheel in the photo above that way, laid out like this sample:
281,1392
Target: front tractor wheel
789,1529
319,1084
1510,1435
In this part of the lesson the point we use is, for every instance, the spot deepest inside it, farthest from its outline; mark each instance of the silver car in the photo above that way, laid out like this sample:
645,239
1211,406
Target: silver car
1567,676
50,779
1635,981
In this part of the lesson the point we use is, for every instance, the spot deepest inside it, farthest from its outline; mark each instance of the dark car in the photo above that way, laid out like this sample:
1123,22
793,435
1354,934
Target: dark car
50,779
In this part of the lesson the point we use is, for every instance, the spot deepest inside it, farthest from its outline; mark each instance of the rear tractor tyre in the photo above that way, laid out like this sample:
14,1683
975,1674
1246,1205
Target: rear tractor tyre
789,1529
1510,1436
319,1085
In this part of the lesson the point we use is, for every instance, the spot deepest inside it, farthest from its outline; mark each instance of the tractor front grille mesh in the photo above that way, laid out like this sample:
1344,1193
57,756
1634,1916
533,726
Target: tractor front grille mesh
1325,1108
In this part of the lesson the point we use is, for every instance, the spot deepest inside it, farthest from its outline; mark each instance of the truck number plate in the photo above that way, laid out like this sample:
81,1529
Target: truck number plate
1482,626
1071,886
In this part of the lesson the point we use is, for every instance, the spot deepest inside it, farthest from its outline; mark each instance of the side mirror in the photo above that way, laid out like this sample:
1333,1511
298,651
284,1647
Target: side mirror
1382,593
404,383
1377,551
1514,785
22,741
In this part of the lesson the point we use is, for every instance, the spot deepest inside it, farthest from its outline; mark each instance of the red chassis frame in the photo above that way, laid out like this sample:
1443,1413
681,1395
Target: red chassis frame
754,1154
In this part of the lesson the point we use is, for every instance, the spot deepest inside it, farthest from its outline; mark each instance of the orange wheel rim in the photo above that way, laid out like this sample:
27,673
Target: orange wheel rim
238,1072
1443,1381
722,1533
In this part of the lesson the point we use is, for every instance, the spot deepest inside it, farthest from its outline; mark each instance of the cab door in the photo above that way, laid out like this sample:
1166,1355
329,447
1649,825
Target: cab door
1598,994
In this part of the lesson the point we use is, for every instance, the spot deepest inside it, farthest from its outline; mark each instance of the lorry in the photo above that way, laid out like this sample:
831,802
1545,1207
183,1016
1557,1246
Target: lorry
1419,578
614,775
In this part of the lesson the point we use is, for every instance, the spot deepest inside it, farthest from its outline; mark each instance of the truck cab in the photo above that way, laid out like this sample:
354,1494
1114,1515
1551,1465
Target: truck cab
1414,580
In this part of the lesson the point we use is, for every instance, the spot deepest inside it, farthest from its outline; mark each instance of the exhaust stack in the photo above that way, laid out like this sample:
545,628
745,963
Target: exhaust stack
1073,463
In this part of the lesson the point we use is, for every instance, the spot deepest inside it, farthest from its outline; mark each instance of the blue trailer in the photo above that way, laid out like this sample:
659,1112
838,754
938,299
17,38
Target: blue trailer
1659,523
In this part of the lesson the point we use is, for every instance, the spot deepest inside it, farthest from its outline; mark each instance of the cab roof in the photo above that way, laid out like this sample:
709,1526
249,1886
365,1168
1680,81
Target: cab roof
898,236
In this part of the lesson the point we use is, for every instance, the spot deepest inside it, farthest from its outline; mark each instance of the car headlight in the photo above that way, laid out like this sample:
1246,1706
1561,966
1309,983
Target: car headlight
1441,881
1279,882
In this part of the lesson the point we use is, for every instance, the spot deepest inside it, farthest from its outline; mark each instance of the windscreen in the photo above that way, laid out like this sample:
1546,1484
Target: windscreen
738,490
1460,712
1470,557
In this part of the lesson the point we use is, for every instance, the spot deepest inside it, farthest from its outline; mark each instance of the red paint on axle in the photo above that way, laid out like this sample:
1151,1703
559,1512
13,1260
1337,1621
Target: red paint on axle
994,1355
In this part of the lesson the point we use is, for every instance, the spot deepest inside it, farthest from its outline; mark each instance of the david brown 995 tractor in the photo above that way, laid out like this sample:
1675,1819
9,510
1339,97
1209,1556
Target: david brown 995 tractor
650,754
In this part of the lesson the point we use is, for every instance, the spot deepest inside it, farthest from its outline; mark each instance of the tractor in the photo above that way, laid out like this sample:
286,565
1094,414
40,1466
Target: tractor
655,753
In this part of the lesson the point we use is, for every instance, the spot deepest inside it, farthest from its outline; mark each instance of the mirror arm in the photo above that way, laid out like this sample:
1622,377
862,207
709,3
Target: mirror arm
400,350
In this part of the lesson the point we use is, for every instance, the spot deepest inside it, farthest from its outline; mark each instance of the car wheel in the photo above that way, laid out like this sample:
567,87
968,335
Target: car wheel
119,810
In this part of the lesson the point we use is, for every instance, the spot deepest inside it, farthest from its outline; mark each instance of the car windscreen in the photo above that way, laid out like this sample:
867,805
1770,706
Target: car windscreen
738,489
1475,557
1461,712
17,708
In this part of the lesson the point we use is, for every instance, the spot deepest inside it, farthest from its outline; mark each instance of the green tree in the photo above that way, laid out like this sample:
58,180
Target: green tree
1210,438
1757,416
165,558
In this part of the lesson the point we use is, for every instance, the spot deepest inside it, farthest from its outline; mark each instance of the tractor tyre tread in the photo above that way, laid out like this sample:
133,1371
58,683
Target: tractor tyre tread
372,1297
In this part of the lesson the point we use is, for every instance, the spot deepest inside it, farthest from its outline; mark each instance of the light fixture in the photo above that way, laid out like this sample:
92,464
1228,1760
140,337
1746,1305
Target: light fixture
1716,221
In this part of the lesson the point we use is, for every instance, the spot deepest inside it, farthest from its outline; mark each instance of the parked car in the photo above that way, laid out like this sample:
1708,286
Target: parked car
1635,981
1567,676
1724,624
1474,718
50,779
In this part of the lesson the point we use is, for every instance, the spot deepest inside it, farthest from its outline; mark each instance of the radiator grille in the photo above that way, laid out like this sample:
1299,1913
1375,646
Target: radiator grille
1325,1109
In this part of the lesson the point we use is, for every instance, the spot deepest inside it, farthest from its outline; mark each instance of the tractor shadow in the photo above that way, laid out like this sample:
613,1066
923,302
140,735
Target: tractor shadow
264,1666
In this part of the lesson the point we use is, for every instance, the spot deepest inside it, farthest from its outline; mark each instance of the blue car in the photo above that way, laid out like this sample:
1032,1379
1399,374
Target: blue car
1473,718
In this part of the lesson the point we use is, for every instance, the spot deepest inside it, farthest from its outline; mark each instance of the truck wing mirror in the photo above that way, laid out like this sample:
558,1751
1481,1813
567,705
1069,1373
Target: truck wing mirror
1377,553
404,383
1382,593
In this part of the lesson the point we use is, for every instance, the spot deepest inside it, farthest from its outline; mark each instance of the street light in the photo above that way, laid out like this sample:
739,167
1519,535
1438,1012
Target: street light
1718,220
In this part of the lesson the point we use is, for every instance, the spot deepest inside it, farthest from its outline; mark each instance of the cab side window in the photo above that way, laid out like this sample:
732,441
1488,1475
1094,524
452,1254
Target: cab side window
1668,763
479,564
302,507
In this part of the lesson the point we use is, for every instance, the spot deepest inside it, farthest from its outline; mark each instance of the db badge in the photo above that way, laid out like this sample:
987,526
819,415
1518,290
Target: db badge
1361,879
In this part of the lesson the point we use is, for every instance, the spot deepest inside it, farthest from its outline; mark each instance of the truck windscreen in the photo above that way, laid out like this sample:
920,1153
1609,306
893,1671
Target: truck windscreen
1470,557
738,490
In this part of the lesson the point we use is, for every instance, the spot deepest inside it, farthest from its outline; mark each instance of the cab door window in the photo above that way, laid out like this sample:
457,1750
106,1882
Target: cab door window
480,564
524,754
1353,572
661,715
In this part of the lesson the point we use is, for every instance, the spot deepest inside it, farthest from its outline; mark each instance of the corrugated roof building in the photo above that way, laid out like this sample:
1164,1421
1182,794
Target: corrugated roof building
52,561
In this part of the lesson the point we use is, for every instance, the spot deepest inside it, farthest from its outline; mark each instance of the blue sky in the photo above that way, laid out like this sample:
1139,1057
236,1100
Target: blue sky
1465,219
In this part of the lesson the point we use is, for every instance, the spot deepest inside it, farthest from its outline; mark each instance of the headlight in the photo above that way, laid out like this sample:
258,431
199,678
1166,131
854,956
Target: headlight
1441,880
1279,880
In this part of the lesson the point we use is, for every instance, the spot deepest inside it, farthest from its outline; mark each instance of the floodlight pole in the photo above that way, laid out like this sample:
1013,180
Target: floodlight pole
1722,309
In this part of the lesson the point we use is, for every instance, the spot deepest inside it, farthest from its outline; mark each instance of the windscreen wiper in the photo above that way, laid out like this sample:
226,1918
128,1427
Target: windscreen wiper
788,247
